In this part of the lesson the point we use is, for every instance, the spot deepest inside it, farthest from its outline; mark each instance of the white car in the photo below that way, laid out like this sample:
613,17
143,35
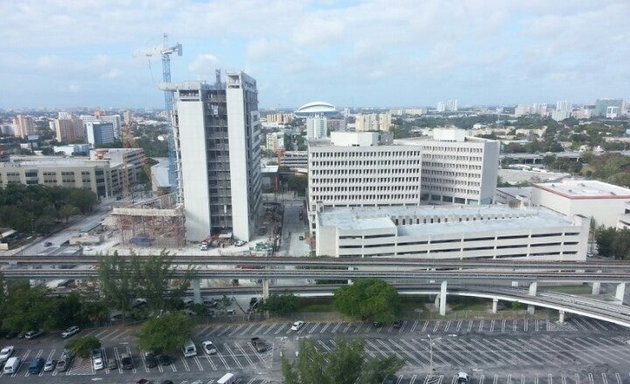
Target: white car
70,331
209,347
5,353
98,363
240,243
297,325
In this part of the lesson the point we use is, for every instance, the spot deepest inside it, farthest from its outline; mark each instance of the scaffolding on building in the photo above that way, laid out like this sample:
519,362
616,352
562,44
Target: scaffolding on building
158,222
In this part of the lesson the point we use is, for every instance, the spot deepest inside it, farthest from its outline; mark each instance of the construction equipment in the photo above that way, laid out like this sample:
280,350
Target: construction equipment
165,53
129,141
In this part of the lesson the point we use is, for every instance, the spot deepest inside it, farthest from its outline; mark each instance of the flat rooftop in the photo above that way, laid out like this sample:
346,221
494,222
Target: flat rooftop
585,189
380,218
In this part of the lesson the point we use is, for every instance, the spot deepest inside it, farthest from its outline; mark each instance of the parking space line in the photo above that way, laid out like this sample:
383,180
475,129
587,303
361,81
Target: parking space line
345,330
228,328
525,325
212,364
552,354
519,349
437,353
313,328
470,325
481,379
514,325
270,328
604,378
590,378
456,354
257,331
459,325
424,327
280,329
227,347
185,362
223,360
324,328
582,351
202,331
406,352
374,347
477,350
413,379
447,326
602,347
491,325
326,347
334,330
480,325
249,360
246,330
358,327
503,325
421,356
413,327
437,326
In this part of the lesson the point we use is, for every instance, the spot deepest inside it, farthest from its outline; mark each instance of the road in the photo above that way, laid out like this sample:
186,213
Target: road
503,351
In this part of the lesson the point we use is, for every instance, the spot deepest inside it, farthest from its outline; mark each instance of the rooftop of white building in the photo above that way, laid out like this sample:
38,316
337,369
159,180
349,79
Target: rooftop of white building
381,217
585,189
51,162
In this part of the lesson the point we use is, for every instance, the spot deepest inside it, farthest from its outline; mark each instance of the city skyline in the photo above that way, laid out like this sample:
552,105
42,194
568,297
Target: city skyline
349,53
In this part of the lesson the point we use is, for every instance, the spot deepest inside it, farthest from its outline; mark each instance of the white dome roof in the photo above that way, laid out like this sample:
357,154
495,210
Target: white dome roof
316,107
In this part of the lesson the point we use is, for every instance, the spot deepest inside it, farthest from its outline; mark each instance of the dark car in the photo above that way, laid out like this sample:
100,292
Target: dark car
47,244
11,334
36,365
259,344
112,364
144,381
164,359
397,324
167,382
125,361
377,324
150,360
390,379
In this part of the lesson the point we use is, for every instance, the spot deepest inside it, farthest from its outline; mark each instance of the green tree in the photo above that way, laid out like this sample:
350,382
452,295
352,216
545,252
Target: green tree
29,308
165,333
346,363
621,244
83,346
282,304
117,280
154,280
605,237
368,299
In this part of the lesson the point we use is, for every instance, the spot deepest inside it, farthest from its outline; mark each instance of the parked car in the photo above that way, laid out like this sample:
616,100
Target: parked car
397,324
50,365
150,360
208,347
33,334
258,344
164,359
144,381
36,365
11,334
125,361
98,363
297,325
6,352
112,364
463,378
240,243
377,324
70,331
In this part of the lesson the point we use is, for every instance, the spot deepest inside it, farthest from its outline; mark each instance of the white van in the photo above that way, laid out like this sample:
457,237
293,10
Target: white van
12,365
189,349
228,378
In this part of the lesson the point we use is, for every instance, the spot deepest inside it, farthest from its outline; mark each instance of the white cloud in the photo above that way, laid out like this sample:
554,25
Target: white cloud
203,66
72,88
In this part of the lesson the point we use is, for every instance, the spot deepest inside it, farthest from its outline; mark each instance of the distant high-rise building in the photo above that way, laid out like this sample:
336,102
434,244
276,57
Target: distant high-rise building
522,109
100,133
316,127
217,135
373,122
23,126
539,109
98,118
274,141
69,129
601,107
563,110
452,105
440,107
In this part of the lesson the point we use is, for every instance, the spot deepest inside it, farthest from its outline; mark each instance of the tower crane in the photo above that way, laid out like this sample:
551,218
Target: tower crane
165,53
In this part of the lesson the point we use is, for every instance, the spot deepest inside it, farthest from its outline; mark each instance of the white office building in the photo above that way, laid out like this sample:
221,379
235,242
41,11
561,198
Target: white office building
98,118
454,232
99,133
316,127
457,169
218,140
356,169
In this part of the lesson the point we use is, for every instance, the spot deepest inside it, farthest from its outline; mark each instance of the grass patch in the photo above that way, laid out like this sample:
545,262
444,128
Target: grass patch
571,289
317,304
467,303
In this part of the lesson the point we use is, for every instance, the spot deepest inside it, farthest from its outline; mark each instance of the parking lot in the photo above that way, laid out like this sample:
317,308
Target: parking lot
492,351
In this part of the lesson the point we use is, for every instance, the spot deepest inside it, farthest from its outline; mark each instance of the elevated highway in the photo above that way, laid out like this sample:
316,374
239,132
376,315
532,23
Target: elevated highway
560,276
337,262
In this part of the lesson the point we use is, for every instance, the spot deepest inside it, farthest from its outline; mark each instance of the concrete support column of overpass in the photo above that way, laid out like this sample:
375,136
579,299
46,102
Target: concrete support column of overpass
265,285
533,287
561,317
515,284
597,286
443,299
495,304
196,287
620,292
437,301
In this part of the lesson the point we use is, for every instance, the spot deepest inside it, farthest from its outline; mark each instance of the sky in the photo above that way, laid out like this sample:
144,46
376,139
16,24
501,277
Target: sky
372,53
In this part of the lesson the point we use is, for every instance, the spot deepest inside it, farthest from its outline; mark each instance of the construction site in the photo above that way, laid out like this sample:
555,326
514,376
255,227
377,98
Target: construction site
157,222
